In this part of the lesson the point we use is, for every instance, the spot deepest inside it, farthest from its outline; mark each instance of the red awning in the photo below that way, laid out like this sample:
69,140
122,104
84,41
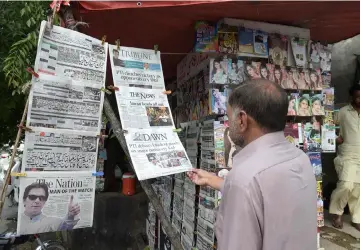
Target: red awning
170,24
110,5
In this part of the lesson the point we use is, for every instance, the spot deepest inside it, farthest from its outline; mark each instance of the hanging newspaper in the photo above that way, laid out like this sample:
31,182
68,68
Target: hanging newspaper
55,151
55,202
156,152
67,53
143,108
65,104
133,67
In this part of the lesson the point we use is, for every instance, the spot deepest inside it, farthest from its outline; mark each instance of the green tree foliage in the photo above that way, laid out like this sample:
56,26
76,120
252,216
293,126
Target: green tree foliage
19,29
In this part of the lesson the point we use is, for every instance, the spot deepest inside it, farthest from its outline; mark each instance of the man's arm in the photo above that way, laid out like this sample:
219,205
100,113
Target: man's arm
240,225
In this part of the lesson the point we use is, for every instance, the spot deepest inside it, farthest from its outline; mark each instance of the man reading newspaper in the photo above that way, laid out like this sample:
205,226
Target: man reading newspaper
34,221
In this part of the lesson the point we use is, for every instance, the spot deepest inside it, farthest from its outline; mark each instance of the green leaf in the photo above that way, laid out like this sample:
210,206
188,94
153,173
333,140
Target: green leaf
28,23
22,12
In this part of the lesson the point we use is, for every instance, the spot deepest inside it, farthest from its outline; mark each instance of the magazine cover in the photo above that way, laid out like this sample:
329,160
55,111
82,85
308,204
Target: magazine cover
292,79
320,214
317,107
299,51
279,73
271,71
228,39
326,80
260,43
314,79
292,101
234,76
206,37
278,49
245,40
218,101
315,59
328,138
241,71
218,70
251,71
325,54
328,97
315,158
328,119
264,73
312,136
291,132
303,105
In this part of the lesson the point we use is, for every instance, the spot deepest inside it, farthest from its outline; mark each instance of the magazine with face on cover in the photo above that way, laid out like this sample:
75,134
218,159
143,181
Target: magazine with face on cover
278,49
303,105
316,102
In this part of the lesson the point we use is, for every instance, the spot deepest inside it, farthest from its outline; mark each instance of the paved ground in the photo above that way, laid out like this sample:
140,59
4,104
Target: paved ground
347,238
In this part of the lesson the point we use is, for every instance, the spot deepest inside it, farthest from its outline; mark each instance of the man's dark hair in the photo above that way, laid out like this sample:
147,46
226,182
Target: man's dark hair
264,101
354,88
36,185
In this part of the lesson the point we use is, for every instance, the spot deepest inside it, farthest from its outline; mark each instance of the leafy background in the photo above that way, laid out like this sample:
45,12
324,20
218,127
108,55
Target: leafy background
19,30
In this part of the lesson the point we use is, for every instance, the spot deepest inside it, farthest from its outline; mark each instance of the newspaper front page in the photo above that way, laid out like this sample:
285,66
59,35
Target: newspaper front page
67,53
133,67
65,104
156,152
55,151
143,108
52,202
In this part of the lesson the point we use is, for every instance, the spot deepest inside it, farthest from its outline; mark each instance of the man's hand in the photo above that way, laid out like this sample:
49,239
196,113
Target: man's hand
203,178
73,209
339,140
200,177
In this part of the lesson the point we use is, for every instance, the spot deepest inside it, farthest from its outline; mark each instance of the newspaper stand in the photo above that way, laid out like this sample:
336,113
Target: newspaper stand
196,104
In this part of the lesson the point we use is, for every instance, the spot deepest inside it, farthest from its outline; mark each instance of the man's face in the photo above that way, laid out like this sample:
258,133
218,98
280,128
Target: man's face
356,97
34,202
116,54
235,131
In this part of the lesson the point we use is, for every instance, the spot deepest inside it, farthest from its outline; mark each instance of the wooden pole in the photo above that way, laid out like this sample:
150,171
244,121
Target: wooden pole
16,145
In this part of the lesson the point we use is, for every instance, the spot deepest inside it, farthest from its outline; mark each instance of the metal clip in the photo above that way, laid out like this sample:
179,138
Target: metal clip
27,129
31,71
103,39
177,130
112,87
98,174
18,174
106,91
156,48
117,42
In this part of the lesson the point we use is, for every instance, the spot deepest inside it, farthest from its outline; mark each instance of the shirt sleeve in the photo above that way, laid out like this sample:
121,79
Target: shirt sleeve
241,227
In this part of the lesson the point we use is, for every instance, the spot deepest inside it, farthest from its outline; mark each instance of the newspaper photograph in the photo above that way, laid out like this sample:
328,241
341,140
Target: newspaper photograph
55,202
67,53
133,67
156,152
64,104
58,151
143,108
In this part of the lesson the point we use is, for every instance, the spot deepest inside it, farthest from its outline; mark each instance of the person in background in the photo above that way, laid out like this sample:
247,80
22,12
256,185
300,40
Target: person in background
347,163
269,198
